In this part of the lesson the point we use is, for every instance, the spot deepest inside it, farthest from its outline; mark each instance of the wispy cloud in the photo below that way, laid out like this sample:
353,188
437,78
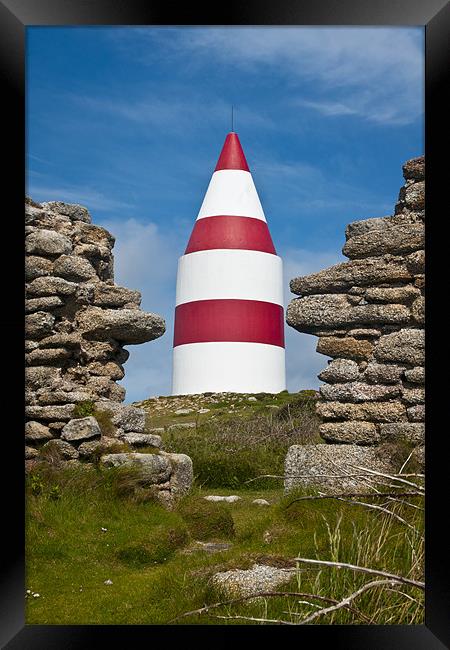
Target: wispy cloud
92,199
375,73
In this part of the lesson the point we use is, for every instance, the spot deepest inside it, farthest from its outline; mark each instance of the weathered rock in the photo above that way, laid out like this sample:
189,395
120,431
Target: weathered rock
358,433
418,310
260,502
348,347
71,341
110,369
232,498
407,346
43,304
340,370
181,425
73,210
113,296
81,429
39,324
63,449
364,333
411,197
182,474
47,242
371,411
103,445
127,418
246,582
41,376
46,396
359,392
129,326
415,375
74,268
392,294
416,413
87,233
415,262
381,373
64,412
366,272
151,468
36,432
50,286
413,432
48,357
392,239
414,169
312,312
333,468
30,453
413,395
142,439
36,267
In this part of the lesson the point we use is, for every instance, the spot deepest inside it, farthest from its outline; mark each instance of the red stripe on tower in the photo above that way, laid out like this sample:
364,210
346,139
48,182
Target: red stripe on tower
232,155
246,321
244,233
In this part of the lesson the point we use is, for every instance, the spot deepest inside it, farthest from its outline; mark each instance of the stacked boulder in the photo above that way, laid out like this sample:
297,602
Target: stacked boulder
369,316
77,323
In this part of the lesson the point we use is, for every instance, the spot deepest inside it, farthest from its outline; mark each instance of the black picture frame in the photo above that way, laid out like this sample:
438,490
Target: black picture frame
15,16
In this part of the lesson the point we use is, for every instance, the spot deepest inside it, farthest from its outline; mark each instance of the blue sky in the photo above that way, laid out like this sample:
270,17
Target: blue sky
130,121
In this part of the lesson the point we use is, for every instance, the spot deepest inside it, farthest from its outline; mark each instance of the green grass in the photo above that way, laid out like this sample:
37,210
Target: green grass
143,552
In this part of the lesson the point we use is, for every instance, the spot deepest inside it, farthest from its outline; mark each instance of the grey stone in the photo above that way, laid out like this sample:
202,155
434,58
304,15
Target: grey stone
152,468
364,333
392,294
371,411
36,267
81,429
260,502
47,242
407,346
30,453
415,262
142,439
182,475
366,272
359,392
73,210
41,376
43,304
415,375
182,425
416,413
414,169
331,468
48,356
106,295
346,347
312,312
50,286
46,396
340,370
411,197
418,310
413,432
232,498
109,369
74,268
37,432
71,341
87,233
395,239
413,395
63,448
39,324
127,418
418,454
91,447
358,433
381,373
129,326
64,412
247,582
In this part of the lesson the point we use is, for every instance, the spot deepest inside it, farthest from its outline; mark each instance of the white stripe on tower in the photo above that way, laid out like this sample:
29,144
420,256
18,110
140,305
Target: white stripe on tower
248,275
229,323
232,192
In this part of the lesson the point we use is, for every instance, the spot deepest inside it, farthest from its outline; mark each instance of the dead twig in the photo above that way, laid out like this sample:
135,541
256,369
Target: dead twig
354,567
351,495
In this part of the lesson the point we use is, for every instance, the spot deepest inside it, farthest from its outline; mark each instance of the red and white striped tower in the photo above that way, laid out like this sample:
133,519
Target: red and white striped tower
229,321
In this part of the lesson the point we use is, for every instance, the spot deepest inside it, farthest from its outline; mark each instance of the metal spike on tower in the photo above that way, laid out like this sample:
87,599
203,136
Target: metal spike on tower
229,321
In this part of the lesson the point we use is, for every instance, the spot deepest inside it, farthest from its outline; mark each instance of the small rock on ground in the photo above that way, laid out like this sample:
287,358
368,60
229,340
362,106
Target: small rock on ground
245,582
230,499
261,502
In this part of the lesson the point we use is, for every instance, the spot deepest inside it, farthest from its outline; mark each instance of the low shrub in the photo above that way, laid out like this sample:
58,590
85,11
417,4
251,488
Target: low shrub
157,550
84,409
207,520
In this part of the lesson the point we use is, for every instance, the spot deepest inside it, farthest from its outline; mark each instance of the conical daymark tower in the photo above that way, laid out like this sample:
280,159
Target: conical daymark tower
229,321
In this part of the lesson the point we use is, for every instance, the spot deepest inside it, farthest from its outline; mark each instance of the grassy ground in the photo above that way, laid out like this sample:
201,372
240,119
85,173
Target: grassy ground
85,526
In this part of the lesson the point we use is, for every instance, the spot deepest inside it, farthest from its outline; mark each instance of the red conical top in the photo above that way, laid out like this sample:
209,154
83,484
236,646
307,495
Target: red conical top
232,156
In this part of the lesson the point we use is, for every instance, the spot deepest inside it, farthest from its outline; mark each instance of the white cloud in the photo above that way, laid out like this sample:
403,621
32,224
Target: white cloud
83,195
